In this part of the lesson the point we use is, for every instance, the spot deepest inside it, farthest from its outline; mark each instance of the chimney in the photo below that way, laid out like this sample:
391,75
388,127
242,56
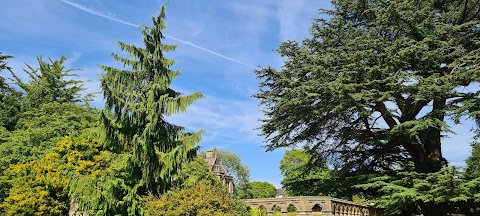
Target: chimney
210,154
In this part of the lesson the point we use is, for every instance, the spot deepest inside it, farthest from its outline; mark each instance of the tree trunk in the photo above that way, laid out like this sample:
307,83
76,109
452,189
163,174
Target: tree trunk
427,156
431,161
428,159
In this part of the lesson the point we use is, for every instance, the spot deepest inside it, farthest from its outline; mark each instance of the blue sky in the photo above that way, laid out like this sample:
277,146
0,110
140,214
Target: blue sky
219,43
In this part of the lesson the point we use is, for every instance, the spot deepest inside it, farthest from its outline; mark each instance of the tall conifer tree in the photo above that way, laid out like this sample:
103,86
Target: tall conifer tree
137,101
377,85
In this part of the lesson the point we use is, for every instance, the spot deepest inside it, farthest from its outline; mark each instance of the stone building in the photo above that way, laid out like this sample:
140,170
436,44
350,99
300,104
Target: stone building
217,168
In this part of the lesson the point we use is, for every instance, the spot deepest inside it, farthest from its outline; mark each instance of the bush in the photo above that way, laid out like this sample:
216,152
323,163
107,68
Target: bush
201,199
258,212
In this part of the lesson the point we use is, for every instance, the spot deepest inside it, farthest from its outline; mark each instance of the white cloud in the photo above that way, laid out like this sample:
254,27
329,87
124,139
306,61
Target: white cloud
182,41
223,119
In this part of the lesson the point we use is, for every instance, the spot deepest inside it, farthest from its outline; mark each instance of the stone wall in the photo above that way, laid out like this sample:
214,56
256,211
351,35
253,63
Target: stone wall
314,205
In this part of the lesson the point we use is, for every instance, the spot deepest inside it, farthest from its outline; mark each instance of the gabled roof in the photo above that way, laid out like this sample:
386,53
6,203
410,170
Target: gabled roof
211,161
214,161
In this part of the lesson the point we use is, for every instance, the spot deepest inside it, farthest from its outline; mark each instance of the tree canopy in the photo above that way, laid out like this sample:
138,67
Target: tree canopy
368,97
234,167
39,129
201,199
197,191
195,172
376,84
473,162
138,97
51,82
301,179
262,190
40,187
306,175
409,192
34,122
10,99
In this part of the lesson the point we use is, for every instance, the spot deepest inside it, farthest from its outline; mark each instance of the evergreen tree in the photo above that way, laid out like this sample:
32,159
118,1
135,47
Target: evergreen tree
38,130
3,65
48,111
374,85
137,100
306,175
34,121
10,99
48,83
473,162
409,192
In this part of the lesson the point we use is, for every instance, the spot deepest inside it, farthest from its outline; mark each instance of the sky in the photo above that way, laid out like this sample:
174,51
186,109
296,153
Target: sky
220,43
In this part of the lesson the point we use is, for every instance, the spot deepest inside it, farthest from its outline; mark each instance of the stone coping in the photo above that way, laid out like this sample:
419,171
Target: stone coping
296,198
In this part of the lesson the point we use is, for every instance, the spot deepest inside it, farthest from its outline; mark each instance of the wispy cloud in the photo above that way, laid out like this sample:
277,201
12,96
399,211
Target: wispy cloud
96,13
227,119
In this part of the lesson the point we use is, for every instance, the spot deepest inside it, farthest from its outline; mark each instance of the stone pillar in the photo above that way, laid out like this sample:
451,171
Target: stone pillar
327,209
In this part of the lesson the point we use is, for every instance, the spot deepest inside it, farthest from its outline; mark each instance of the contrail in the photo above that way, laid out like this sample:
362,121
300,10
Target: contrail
96,13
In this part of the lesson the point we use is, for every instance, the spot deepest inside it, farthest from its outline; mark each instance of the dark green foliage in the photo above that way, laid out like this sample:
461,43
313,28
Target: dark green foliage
291,208
305,175
300,179
374,85
276,209
39,129
143,153
51,82
36,120
411,192
10,99
99,194
10,107
473,162
151,150
355,89
262,190
3,64
50,113
136,103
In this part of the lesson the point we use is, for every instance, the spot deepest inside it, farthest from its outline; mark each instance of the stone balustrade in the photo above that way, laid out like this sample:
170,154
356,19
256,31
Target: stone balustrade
313,205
